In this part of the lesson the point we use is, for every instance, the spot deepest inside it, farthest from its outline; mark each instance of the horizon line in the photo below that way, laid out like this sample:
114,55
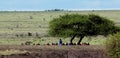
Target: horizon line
58,8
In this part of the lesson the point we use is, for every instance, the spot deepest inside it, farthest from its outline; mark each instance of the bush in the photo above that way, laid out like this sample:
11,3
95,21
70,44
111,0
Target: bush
29,34
113,45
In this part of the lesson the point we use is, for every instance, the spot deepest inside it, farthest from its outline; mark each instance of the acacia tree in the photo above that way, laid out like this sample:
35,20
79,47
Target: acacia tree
76,25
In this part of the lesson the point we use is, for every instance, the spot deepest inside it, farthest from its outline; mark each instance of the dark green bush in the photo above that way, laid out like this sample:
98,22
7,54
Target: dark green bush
113,45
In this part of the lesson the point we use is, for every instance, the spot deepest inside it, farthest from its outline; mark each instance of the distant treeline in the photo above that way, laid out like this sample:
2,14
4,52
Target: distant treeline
28,11
56,10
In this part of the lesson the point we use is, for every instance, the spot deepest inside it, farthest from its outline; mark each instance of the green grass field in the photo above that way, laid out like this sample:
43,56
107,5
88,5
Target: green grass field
20,26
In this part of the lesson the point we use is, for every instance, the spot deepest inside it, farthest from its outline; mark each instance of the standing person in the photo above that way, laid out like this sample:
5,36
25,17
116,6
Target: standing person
60,42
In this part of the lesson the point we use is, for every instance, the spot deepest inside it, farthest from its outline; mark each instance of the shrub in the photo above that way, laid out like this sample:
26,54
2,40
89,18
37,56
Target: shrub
113,45
31,17
29,34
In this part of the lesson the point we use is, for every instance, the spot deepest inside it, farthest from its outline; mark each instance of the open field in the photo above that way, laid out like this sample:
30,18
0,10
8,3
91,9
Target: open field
20,26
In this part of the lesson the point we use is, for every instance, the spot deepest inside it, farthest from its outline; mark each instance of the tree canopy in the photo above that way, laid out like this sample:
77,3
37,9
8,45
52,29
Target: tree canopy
72,25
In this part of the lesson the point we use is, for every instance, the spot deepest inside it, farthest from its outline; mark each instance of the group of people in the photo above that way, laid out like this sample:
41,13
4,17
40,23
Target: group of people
61,43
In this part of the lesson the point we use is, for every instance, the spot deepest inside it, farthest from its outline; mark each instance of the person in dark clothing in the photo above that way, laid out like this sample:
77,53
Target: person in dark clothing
60,42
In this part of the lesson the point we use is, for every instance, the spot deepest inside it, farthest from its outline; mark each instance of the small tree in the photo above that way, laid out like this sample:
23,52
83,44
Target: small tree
75,25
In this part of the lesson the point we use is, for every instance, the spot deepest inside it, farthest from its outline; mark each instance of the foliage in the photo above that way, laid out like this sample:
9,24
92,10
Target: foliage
101,26
81,25
113,45
70,24
55,10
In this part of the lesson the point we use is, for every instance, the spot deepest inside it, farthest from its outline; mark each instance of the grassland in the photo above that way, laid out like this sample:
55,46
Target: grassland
20,26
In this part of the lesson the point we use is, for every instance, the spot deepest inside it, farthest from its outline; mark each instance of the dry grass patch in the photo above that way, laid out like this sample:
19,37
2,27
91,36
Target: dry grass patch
11,51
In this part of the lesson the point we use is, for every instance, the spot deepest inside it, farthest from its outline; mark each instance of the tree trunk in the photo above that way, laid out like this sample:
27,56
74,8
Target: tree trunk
81,37
72,39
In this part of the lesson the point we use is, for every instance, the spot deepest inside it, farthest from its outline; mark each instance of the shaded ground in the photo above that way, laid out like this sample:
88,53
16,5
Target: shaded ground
56,51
